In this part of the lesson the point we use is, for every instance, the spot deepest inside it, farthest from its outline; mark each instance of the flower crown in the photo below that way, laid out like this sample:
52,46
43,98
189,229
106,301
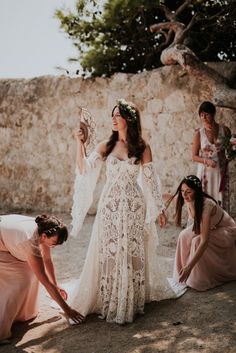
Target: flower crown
194,179
125,107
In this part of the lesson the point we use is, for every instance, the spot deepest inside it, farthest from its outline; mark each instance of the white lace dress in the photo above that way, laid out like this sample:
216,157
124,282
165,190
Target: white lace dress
121,270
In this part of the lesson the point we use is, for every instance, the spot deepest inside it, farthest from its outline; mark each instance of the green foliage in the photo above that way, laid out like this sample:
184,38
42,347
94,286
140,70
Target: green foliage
213,37
116,37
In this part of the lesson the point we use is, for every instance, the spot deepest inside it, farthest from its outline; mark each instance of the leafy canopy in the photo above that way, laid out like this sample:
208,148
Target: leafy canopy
115,36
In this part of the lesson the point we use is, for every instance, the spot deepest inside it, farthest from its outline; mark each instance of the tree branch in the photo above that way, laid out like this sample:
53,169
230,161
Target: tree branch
169,15
182,7
177,27
194,20
178,53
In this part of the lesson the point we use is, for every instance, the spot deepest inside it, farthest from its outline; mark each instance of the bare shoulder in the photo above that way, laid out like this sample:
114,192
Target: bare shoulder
101,147
147,154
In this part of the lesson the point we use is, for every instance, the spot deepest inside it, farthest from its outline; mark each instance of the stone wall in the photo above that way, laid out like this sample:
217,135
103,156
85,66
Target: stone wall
37,118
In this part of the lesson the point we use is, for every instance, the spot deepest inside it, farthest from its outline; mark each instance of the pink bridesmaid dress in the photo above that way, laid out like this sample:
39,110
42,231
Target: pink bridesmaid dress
217,265
19,287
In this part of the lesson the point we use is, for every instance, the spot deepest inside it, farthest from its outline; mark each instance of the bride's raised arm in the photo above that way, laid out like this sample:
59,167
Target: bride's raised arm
86,175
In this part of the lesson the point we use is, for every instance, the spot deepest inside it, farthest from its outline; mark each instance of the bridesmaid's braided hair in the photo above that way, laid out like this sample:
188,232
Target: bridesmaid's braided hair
51,225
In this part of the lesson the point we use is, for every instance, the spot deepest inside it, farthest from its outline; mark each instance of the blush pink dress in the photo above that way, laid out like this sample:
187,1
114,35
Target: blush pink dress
19,287
218,262
215,181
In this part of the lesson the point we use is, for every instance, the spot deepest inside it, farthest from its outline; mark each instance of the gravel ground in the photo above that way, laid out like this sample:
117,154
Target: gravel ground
197,322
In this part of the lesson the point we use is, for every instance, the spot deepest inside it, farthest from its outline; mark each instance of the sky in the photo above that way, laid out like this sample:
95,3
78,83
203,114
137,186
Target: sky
31,41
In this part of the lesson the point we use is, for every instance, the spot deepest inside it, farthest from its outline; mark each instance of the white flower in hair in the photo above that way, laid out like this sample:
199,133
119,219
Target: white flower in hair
127,108
194,179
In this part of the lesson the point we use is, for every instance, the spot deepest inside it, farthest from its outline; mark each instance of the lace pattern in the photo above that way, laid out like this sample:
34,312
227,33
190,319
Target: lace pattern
121,269
121,247
151,186
84,186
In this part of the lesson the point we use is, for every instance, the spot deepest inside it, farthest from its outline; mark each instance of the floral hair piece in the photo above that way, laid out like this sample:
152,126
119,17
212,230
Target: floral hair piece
194,179
54,229
125,107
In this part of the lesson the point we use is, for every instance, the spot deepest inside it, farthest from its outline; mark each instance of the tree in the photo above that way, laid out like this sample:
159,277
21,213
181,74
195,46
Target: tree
114,40
176,51
116,37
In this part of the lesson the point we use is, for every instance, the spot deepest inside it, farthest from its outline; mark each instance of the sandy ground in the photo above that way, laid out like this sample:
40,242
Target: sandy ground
196,322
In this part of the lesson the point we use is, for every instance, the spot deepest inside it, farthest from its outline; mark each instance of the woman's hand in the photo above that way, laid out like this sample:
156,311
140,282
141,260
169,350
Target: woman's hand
210,163
162,219
79,135
74,315
184,273
63,293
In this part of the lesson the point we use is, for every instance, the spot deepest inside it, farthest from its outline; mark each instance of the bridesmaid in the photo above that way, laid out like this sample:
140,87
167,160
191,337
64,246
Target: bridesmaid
206,250
25,260
208,151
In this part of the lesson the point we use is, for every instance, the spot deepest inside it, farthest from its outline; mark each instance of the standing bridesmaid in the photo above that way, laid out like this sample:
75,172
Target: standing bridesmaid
209,153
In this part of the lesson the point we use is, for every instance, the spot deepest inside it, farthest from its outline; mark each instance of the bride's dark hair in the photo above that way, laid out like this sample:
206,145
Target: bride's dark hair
136,144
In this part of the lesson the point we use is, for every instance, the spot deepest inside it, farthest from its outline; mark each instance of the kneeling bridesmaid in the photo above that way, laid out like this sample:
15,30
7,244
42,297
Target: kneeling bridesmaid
206,250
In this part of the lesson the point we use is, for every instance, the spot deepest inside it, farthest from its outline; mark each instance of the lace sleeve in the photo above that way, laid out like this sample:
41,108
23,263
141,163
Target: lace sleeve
151,186
84,186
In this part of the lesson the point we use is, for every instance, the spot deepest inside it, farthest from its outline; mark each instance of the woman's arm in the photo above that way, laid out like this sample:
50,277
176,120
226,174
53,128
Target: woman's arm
196,148
80,151
48,264
204,235
147,155
37,266
49,268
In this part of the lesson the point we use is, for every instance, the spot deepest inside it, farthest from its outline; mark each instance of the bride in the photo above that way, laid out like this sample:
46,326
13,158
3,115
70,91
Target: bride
121,270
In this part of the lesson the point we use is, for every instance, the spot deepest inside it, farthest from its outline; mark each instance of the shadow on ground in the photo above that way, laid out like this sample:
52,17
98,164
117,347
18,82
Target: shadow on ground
197,322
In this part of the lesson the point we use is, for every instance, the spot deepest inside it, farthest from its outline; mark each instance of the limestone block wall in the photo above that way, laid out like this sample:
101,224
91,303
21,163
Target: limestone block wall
37,118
